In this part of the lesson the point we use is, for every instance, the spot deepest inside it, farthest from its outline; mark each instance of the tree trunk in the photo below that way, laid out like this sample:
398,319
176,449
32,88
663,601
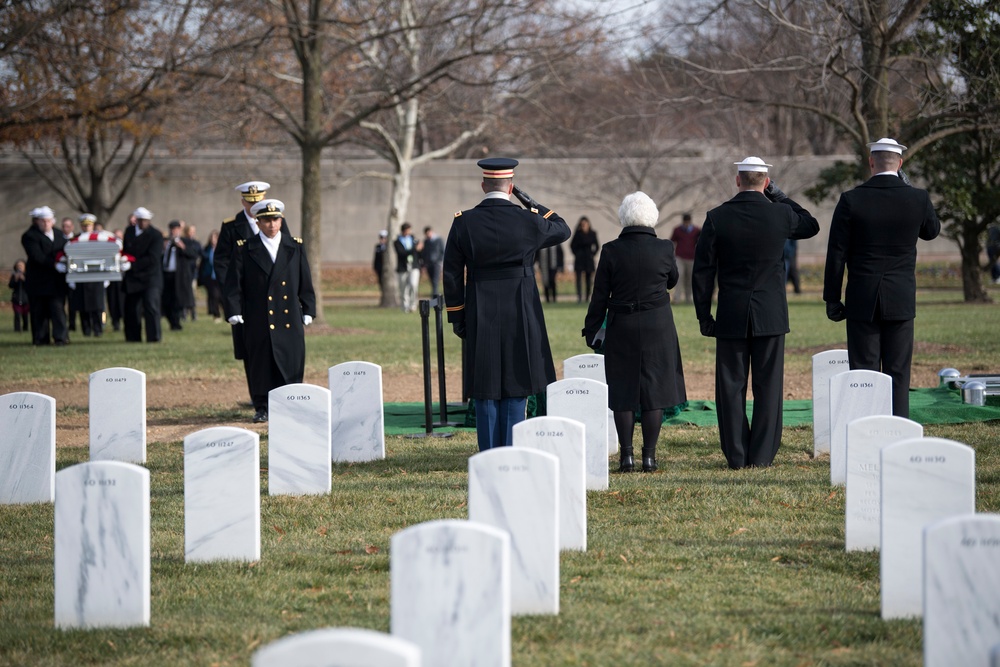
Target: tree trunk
312,227
972,272
397,216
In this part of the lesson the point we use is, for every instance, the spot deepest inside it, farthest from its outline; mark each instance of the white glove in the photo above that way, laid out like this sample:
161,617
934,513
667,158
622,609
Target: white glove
307,320
125,265
61,267
236,319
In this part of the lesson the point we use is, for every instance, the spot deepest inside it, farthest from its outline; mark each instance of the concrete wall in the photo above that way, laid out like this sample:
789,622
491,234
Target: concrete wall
199,190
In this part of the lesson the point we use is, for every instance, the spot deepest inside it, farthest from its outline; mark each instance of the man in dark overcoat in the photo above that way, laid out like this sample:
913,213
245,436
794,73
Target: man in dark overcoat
741,244
143,282
44,284
874,235
269,291
177,258
493,303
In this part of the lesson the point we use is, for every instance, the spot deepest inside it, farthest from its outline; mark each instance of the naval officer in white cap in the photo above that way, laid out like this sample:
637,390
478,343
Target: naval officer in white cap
874,235
742,245
44,284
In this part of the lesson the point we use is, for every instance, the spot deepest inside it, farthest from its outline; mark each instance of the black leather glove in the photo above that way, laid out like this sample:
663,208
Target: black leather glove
902,177
835,311
774,193
525,198
459,329
707,326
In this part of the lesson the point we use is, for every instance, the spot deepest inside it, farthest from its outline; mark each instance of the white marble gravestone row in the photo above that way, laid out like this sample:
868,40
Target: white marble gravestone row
357,414
995,656
298,446
102,565
854,394
824,366
865,439
450,592
118,415
340,647
923,480
222,495
591,366
565,439
517,490
585,401
961,590
27,448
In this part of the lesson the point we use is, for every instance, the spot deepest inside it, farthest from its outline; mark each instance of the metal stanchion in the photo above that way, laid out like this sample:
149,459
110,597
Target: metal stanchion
425,339
438,304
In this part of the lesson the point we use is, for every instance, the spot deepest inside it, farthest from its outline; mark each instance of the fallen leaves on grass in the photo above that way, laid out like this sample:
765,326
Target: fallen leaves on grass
622,556
371,549
738,531
322,531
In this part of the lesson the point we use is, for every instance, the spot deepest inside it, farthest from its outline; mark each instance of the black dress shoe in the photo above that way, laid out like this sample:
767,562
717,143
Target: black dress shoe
648,464
260,416
626,464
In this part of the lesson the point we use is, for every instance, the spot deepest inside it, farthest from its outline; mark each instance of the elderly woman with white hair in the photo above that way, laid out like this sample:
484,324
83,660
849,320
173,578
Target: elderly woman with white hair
642,355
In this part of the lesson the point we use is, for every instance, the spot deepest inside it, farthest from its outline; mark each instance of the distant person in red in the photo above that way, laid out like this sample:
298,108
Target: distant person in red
685,238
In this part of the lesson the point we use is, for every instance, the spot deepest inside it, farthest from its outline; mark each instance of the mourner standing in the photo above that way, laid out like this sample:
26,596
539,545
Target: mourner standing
408,251
270,292
551,262
190,236
19,297
685,238
432,257
641,354
493,303
874,235
72,297
45,285
584,247
742,244
378,260
177,257
143,282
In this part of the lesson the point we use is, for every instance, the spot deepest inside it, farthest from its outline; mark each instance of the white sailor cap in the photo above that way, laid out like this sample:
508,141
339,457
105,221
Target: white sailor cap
87,217
752,164
269,208
142,213
887,145
253,191
42,212
384,233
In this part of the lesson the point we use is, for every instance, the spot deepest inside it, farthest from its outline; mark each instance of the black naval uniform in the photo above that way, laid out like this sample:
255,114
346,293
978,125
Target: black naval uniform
272,297
45,286
742,243
143,283
874,234
508,355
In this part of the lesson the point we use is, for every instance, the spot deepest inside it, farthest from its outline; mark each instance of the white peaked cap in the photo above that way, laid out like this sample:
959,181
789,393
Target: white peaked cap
42,212
752,164
142,213
267,208
888,145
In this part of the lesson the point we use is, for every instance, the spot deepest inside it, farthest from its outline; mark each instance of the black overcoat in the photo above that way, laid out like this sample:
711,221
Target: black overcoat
642,355
874,235
742,245
146,249
272,297
508,354
41,277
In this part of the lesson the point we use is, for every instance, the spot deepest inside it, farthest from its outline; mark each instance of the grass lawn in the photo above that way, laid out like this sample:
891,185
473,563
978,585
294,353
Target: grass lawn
694,565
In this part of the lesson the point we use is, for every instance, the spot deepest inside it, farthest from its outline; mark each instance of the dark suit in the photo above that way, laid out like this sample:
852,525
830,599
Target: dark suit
272,296
432,257
874,235
741,244
143,283
45,286
508,347
177,293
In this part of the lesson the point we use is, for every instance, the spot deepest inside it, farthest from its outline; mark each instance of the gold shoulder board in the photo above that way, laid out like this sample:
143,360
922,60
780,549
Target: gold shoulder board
297,239
228,220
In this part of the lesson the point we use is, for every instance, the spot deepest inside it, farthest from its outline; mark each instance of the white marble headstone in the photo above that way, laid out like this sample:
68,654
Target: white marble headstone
586,401
339,647
865,439
118,415
450,592
222,495
961,590
591,366
565,439
923,480
357,415
298,443
27,448
102,535
995,656
517,489
824,366
854,394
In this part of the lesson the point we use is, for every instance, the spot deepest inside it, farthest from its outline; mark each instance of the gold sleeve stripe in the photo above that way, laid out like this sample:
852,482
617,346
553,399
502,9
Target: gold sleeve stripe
452,309
546,216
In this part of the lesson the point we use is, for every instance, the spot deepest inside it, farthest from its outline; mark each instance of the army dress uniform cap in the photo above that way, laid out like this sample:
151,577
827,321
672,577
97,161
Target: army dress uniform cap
752,164
498,167
269,208
43,212
888,145
142,213
253,191
87,217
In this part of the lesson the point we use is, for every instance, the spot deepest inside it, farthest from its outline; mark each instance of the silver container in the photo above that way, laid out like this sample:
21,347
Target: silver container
974,393
947,377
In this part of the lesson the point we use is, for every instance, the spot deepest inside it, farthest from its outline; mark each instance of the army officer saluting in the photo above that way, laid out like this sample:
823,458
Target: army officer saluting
269,290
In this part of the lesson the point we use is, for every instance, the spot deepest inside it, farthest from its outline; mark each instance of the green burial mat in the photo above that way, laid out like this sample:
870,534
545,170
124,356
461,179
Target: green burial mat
927,406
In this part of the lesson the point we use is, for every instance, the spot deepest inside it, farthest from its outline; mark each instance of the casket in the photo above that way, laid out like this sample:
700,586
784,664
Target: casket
92,258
